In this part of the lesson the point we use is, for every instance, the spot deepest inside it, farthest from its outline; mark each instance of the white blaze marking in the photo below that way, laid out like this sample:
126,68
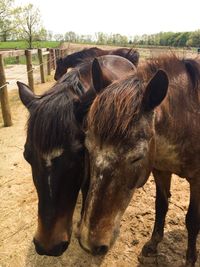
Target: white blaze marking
54,154
101,176
48,162
48,158
49,183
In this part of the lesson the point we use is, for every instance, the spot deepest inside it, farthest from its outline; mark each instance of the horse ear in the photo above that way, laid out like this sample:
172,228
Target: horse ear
25,94
155,91
99,79
133,56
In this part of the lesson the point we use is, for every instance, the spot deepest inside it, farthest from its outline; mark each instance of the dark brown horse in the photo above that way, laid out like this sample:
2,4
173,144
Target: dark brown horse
146,122
55,147
73,60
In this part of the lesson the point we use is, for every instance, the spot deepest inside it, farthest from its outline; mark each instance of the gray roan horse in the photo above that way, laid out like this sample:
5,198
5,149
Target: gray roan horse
149,121
55,147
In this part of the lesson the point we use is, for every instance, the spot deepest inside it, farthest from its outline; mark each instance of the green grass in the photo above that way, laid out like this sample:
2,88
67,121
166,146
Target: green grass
22,60
24,44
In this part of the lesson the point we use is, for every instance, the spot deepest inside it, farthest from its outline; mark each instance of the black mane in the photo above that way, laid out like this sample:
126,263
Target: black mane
84,55
78,57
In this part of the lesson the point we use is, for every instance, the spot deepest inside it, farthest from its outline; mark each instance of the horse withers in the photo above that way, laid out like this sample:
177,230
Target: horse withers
146,122
55,147
74,59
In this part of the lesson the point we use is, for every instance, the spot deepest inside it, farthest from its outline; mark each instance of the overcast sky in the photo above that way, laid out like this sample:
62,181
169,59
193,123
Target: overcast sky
128,17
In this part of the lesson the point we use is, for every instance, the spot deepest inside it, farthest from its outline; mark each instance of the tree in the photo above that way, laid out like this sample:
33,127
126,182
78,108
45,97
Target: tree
8,21
194,39
49,35
42,35
71,37
101,38
119,39
30,24
58,37
85,38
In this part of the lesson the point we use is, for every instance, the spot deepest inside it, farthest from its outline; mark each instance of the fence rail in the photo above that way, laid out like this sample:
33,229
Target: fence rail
51,56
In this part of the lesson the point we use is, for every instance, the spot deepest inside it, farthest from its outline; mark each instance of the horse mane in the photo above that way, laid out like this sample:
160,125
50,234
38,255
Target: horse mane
174,66
52,121
81,56
115,110
87,54
132,55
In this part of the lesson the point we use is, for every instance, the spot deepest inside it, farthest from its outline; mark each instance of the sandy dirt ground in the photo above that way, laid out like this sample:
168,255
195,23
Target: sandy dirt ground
16,73
18,213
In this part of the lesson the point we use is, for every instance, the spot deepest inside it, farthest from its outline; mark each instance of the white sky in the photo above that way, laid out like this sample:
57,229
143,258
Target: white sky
128,17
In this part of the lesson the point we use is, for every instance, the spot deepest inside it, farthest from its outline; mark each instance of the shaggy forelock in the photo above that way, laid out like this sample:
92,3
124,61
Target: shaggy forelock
113,111
52,121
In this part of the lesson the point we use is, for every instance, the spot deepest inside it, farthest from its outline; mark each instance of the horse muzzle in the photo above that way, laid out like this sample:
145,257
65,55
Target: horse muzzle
56,251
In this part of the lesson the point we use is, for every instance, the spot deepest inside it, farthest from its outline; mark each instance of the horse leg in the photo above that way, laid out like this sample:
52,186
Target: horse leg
163,182
193,222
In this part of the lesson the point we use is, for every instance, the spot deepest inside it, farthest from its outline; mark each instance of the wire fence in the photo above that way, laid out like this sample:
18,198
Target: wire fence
50,56
34,69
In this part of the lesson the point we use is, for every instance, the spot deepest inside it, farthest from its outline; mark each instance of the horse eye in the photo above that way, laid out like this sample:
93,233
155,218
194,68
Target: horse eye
136,159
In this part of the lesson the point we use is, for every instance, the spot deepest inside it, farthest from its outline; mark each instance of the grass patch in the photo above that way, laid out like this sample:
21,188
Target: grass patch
21,60
24,44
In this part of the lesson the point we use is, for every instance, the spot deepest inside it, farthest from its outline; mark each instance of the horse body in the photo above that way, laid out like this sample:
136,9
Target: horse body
55,148
131,132
73,60
178,150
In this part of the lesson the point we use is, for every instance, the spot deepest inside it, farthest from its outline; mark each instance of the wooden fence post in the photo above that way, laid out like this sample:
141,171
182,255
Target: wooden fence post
4,96
17,59
48,62
53,58
58,53
40,57
29,69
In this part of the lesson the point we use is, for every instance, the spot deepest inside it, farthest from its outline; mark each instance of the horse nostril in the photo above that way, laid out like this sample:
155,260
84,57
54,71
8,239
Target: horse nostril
64,245
55,251
58,249
100,250
39,249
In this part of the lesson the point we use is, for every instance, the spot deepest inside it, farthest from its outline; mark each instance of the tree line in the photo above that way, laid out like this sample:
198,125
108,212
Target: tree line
24,23
177,39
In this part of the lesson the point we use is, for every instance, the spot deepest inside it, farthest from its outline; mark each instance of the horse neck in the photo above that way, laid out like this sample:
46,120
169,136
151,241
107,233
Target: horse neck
177,123
182,98
174,111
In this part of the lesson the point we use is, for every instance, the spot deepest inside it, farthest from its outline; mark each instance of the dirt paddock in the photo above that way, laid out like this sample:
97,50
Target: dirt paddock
18,213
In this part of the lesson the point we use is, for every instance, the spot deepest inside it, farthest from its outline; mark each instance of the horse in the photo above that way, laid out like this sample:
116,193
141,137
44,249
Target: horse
72,60
147,122
55,147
